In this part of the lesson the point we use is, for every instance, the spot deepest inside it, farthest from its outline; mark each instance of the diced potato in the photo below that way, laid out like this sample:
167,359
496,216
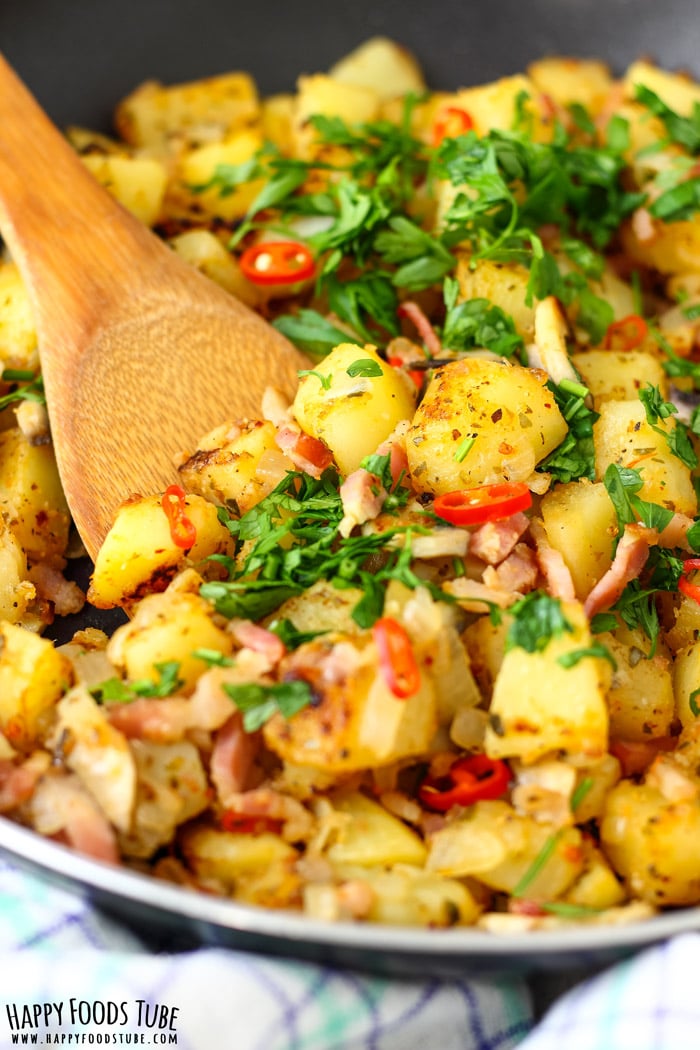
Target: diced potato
320,94
581,524
137,182
31,497
381,65
653,843
33,677
600,777
139,554
612,376
640,700
674,248
18,341
371,836
686,624
168,627
225,466
200,111
485,642
355,722
172,788
196,169
506,408
494,845
596,887
16,592
567,80
322,607
494,106
277,121
623,436
540,706
258,869
352,415
504,284
677,90
203,250
686,682
99,754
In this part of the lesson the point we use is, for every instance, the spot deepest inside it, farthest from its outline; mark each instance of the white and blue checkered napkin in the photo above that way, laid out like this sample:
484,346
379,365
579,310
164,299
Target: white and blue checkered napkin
62,964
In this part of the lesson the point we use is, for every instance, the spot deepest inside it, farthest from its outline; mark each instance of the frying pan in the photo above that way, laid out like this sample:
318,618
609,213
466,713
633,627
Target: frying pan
79,58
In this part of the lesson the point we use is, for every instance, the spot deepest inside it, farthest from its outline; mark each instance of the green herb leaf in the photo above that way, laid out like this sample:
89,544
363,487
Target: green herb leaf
311,332
537,619
114,690
259,703
364,366
325,381
595,651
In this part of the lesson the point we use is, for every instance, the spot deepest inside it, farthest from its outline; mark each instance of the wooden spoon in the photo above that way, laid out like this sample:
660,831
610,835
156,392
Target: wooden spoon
140,354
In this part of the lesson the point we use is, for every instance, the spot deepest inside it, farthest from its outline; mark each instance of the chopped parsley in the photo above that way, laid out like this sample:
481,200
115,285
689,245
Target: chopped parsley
537,619
117,691
259,703
478,323
595,651
575,457
31,388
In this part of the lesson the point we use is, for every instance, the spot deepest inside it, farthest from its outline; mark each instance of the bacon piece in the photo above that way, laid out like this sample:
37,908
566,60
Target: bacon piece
395,447
306,453
362,495
494,540
630,558
62,809
251,636
675,533
552,565
517,573
265,802
233,756
161,720
51,585
425,330
17,783
477,597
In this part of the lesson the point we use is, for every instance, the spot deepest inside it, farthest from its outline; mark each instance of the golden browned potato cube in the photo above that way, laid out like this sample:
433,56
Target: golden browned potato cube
196,168
623,436
640,700
653,843
321,94
494,105
686,682
507,409
277,121
612,376
139,554
225,466
136,182
356,721
494,845
677,90
200,111
540,706
381,65
31,497
203,250
168,627
33,677
370,836
16,592
568,80
504,284
18,342
352,415
581,524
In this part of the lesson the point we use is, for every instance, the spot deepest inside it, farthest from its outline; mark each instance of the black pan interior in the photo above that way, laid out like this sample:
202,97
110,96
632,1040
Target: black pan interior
81,56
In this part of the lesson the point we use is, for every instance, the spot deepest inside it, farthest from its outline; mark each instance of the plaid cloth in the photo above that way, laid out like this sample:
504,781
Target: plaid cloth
58,952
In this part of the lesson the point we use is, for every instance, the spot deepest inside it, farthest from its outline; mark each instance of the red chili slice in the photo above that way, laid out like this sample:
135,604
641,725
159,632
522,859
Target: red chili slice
277,262
413,374
485,503
182,529
626,334
396,658
451,123
470,779
691,590
242,825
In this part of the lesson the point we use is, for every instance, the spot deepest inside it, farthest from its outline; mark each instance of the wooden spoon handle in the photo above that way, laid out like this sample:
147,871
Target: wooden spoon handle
52,235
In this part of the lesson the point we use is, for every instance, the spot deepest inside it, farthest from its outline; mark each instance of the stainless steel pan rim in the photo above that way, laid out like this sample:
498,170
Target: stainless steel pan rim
227,916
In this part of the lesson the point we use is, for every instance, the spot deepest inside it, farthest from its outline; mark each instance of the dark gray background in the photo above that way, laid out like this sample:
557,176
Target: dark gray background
79,56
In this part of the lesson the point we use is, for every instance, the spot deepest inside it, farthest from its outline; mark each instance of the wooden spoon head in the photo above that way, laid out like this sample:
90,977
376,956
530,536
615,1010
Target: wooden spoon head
148,383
